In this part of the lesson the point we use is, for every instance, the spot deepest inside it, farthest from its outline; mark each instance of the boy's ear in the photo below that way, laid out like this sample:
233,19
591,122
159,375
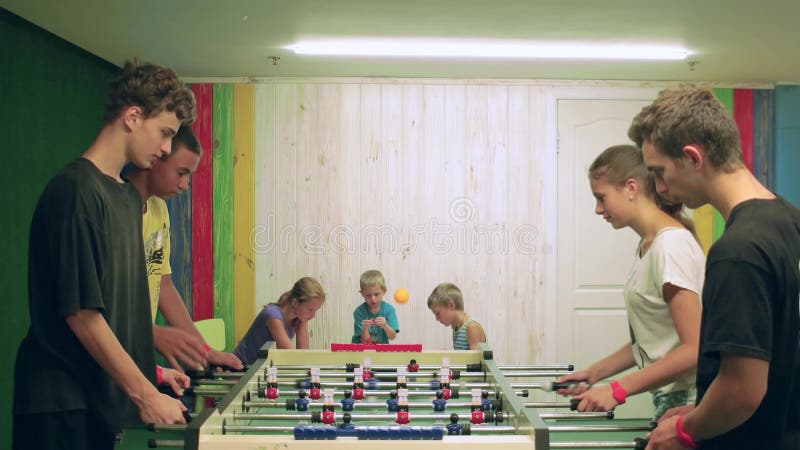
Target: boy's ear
131,115
451,303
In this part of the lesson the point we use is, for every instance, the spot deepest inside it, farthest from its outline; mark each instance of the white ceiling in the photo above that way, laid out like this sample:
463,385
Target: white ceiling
736,41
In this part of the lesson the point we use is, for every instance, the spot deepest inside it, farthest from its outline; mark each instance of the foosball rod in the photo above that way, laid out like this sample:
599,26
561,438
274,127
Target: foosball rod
434,416
477,367
164,443
375,384
488,429
294,394
544,405
638,444
425,374
592,428
450,404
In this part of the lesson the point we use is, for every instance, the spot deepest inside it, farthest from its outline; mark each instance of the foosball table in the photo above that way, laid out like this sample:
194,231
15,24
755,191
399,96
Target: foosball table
405,397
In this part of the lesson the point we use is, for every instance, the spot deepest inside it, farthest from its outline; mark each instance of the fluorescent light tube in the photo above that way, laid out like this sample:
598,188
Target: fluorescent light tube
449,48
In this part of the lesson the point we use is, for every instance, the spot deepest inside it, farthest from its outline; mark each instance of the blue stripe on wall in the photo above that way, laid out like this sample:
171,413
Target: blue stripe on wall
787,142
180,215
763,148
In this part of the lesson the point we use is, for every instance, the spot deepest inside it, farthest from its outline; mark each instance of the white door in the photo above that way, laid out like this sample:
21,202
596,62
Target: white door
593,259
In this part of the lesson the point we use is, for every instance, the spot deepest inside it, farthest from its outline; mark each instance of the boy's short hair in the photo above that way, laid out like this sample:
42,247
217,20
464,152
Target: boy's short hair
688,115
445,292
185,138
151,87
372,278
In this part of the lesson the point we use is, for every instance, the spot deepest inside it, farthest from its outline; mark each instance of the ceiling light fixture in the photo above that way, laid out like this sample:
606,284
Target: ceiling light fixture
449,48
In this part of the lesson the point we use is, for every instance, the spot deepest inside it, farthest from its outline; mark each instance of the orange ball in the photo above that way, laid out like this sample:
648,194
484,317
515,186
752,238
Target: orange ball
401,295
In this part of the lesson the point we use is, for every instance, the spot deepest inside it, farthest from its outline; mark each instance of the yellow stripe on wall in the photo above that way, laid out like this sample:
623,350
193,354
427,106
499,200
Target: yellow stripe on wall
704,226
243,207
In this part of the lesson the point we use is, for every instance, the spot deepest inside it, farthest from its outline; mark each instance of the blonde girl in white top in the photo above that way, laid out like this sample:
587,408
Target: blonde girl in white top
662,293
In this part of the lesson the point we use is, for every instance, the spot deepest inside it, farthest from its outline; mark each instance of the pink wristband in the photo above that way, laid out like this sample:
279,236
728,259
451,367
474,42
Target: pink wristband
159,375
207,348
683,437
618,392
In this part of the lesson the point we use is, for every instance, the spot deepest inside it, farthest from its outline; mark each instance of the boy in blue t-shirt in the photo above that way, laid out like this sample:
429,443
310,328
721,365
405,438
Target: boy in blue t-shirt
375,321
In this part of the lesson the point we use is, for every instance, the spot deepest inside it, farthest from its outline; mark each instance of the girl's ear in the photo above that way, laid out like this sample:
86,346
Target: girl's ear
631,187
451,304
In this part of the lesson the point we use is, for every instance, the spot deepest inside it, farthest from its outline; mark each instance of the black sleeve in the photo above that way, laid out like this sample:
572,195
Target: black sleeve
737,316
75,248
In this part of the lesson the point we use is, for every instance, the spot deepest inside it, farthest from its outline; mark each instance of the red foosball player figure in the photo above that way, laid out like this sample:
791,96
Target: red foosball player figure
401,378
272,383
413,366
367,366
314,392
402,407
476,407
358,383
328,417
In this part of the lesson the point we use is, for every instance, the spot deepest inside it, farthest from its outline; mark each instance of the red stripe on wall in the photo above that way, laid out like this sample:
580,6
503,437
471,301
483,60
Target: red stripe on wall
743,115
202,213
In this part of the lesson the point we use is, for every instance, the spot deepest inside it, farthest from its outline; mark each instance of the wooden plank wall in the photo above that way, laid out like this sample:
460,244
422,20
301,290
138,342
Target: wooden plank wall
243,193
752,111
202,210
426,182
222,162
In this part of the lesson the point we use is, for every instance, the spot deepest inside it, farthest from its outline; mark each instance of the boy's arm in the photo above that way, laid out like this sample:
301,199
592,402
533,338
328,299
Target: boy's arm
365,336
182,341
174,311
475,335
392,324
733,396
390,332
96,336
360,330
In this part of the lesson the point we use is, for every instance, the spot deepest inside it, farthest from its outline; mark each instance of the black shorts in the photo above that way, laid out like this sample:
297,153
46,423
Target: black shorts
65,430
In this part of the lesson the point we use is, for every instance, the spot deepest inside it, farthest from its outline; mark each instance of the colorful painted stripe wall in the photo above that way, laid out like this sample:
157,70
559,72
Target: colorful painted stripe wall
212,261
752,111
212,255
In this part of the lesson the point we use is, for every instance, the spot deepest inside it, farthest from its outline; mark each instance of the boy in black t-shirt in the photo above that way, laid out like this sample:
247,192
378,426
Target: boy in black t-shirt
748,372
89,348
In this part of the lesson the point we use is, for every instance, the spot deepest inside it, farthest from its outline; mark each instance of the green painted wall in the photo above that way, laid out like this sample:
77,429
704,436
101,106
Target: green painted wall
52,97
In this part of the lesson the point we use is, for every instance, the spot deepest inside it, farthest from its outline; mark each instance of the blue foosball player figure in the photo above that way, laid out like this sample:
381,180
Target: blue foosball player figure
302,402
486,404
439,403
347,422
391,404
453,428
347,402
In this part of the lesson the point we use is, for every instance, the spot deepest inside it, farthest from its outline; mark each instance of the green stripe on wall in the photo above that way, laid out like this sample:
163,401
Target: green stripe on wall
222,169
